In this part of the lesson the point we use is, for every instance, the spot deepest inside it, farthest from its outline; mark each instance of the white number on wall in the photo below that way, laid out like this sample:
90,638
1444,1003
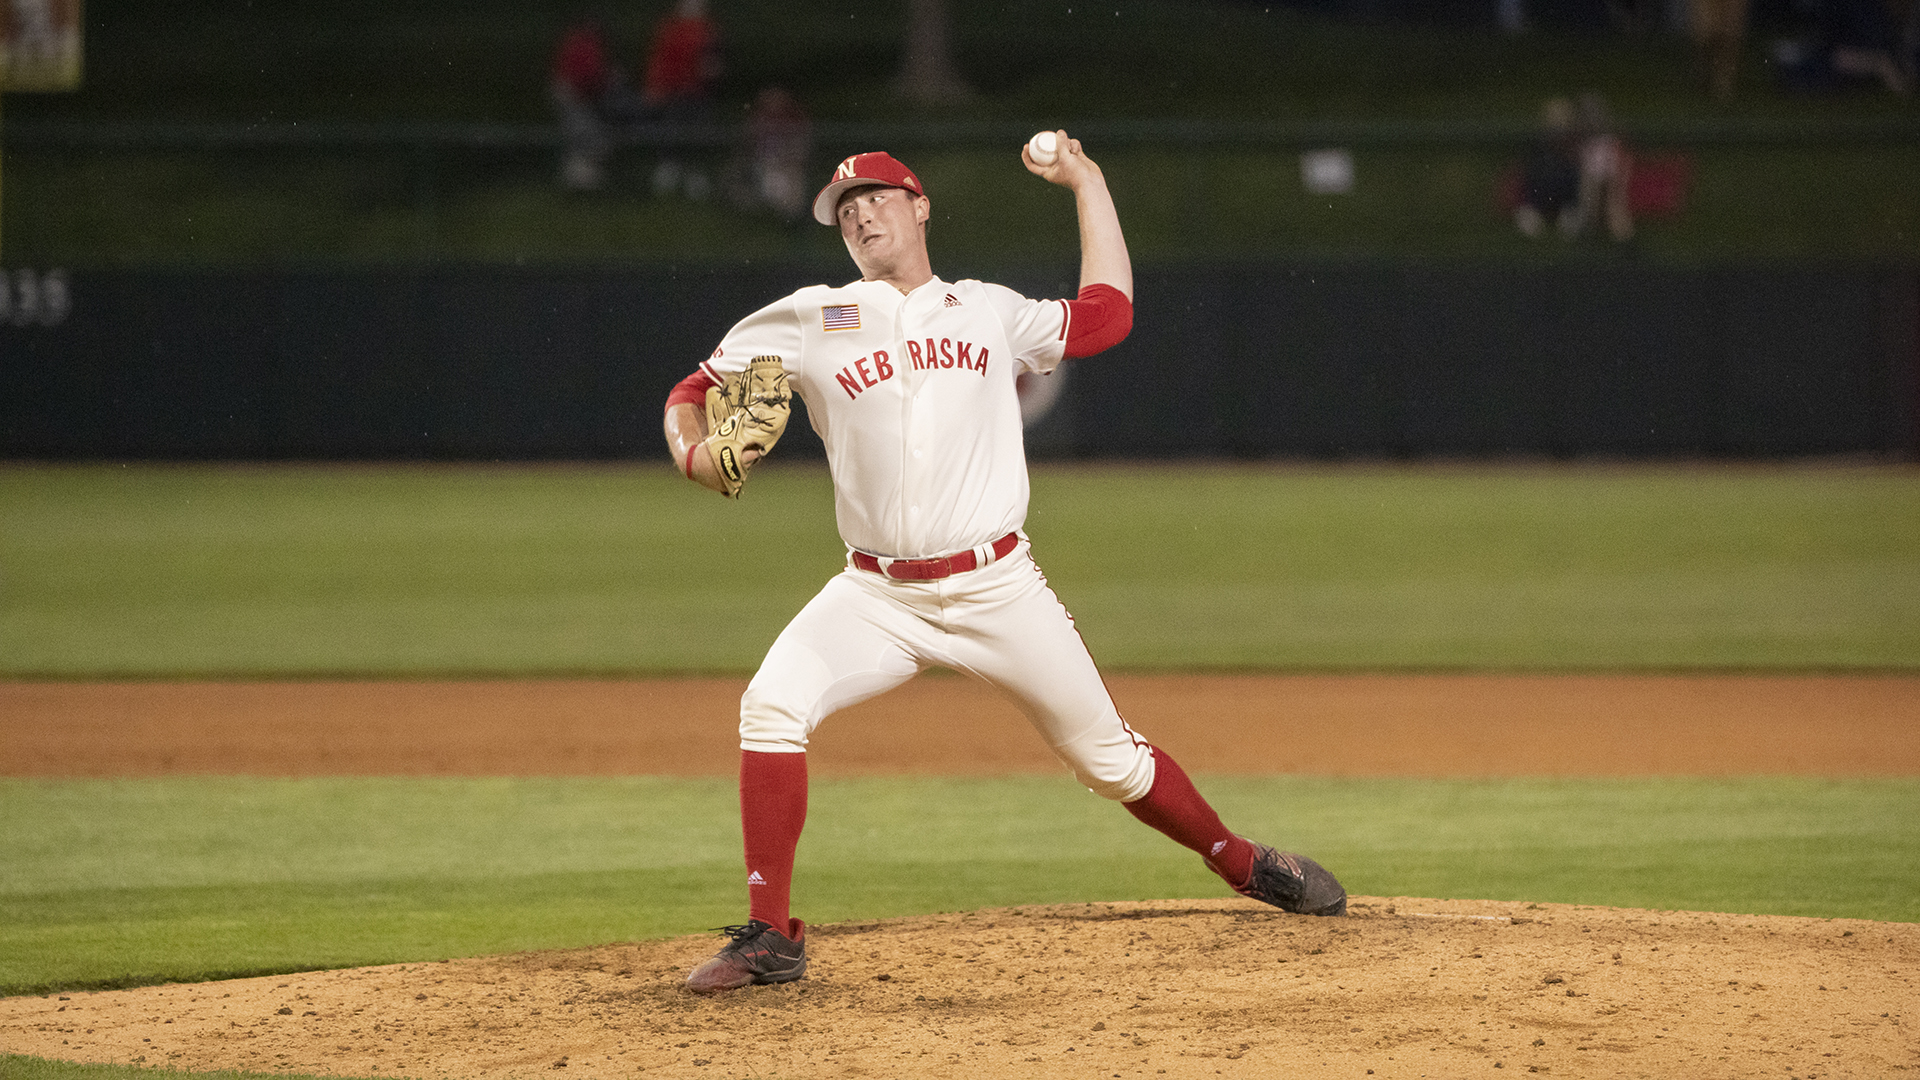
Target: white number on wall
34,297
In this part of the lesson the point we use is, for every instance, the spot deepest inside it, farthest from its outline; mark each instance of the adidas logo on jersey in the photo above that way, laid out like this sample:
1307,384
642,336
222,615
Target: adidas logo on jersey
952,300
755,878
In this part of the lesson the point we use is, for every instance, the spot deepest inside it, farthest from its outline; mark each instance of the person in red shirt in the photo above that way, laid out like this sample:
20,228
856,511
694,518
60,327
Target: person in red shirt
683,66
683,61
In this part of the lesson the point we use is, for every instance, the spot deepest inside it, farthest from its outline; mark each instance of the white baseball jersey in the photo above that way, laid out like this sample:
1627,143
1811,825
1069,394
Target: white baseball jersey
914,397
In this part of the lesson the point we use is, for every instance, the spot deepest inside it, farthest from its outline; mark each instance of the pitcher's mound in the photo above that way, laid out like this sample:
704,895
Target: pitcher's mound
1178,988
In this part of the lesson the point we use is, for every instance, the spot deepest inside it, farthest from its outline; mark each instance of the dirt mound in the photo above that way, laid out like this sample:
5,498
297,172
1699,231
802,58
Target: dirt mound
1401,988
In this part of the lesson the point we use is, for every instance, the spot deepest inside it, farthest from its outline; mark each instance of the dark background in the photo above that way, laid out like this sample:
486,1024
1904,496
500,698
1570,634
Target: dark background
330,231
1251,359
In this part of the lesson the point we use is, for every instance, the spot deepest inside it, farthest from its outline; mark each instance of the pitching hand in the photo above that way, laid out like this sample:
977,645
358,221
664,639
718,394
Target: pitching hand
1071,166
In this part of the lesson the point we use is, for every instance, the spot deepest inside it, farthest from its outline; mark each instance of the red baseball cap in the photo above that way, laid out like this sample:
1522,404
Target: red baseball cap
863,170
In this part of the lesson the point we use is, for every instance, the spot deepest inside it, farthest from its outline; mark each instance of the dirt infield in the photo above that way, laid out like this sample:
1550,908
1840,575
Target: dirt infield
1402,988
1346,725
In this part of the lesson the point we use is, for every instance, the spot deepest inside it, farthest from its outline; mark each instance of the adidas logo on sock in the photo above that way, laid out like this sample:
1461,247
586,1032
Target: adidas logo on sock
755,878
1217,848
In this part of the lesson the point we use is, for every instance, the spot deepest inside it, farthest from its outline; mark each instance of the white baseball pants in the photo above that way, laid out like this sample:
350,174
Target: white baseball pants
863,635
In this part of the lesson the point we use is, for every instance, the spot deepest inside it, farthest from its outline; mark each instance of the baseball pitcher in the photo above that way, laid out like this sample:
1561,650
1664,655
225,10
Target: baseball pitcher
909,380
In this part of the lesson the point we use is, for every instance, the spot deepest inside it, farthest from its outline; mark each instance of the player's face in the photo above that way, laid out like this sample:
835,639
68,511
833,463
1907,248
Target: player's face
882,227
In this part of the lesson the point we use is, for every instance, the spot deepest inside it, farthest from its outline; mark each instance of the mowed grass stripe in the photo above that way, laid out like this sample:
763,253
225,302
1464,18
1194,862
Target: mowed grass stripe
265,571
21,1067
112,883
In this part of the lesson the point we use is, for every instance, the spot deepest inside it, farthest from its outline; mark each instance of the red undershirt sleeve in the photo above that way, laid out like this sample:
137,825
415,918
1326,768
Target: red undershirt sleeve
691,390
1098,320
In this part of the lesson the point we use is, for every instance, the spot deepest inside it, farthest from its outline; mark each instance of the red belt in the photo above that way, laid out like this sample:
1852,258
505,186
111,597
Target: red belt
934,569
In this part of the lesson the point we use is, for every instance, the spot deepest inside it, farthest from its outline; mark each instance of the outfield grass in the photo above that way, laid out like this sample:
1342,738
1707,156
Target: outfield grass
156,571
129,882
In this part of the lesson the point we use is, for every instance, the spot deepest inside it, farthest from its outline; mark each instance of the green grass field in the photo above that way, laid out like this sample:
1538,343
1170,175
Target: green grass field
127,882
270,571
274,571
17,1067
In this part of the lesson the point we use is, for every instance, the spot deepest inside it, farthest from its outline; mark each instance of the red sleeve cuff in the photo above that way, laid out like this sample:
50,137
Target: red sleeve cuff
692,390
1098,320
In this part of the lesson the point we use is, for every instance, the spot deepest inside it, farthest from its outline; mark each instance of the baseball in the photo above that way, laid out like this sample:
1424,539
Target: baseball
1044,148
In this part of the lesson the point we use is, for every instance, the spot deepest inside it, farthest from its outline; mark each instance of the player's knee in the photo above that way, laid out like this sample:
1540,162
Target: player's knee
1121,772
768,726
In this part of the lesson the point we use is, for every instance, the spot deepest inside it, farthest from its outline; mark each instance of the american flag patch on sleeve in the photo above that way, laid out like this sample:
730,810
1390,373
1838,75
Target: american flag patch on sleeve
840,317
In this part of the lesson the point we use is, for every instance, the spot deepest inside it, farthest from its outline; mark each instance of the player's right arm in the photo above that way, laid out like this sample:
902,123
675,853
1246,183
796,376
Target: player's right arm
771,331
1100,317
1103,247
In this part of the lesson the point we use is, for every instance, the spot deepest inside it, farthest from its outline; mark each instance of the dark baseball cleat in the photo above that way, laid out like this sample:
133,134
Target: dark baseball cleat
1293,883
755,955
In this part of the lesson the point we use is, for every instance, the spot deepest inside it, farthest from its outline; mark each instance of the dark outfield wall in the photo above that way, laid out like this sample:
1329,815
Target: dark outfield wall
1238,360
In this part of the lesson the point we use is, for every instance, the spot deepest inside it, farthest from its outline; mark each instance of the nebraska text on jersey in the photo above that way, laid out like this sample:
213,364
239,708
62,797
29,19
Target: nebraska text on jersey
876,368
840,317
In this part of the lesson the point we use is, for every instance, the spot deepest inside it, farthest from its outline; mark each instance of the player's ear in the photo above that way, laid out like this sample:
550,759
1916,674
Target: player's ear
922,209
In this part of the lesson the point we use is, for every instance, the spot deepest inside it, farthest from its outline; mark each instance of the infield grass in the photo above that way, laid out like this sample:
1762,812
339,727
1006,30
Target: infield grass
115,883
278,571
18,1067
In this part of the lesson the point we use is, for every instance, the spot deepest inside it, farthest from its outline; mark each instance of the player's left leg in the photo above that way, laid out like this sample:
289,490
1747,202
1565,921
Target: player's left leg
1013,632
1006,627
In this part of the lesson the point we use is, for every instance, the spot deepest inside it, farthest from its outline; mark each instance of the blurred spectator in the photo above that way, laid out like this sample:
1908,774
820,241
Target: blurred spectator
1578,173
583,82
1854,41
1719,28
36,39
1606,169
1549,192
683,63
683,66
770,172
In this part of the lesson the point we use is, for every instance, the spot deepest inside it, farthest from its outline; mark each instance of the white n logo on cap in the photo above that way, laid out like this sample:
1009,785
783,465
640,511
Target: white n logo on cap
845,171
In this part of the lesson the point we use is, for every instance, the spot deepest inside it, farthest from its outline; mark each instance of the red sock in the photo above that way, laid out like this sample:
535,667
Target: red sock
773,808
1175,807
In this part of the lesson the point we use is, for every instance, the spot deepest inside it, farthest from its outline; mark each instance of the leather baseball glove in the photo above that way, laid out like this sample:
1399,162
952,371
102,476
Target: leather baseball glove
750,409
